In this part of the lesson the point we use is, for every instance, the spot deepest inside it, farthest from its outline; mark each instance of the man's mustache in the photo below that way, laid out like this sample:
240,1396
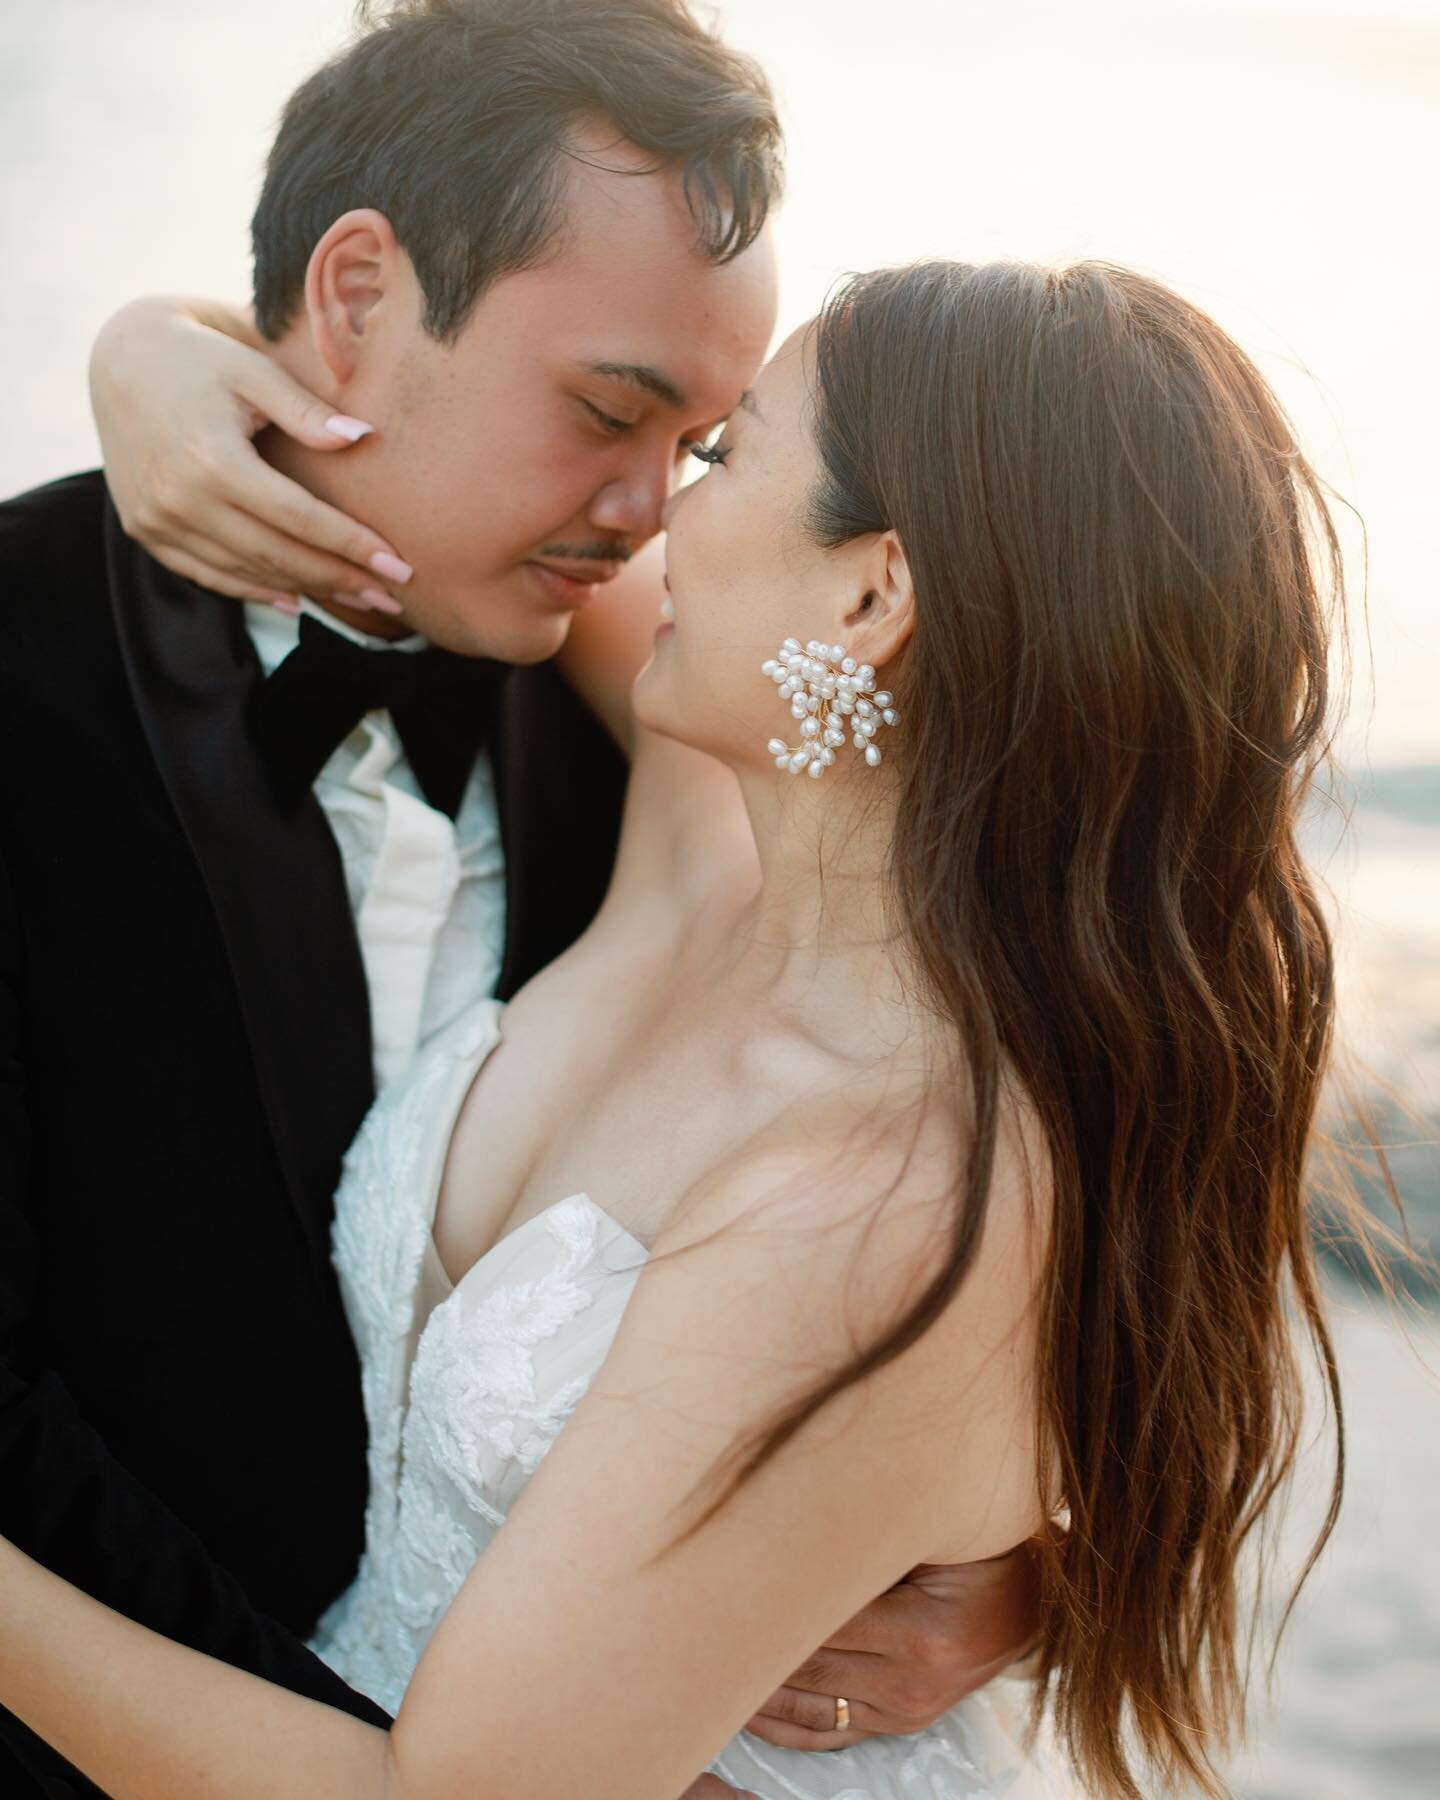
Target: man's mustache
608,553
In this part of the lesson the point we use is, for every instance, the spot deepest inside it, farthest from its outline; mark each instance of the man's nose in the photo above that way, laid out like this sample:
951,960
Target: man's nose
633,507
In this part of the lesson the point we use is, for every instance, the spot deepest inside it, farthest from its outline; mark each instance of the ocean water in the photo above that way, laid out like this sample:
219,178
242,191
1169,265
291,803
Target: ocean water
1356,1713
1356,1708
1274,160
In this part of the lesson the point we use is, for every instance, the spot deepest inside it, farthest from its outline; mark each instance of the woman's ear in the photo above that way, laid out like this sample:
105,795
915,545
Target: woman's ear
878,626
350,271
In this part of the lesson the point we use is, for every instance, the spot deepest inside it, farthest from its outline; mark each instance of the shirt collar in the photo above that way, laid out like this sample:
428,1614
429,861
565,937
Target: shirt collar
275,634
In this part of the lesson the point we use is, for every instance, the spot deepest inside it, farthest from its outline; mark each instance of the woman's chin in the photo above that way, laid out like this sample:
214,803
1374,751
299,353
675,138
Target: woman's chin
653,705
647,697
682,708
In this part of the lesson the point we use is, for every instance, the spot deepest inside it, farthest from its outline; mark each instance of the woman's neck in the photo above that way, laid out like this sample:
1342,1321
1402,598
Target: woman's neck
818,938
721,875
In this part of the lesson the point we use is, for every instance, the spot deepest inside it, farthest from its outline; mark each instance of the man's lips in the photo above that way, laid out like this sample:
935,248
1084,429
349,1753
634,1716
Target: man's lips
571,583
586,569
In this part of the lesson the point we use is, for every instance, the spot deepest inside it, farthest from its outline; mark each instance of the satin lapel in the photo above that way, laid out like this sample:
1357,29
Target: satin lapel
507,759
276,883
560,789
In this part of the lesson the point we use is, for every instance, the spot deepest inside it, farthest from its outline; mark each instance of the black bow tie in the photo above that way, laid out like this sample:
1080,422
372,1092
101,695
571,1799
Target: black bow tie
441,704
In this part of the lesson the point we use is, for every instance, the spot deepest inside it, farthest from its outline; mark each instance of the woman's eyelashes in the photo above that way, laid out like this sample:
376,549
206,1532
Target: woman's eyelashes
611,427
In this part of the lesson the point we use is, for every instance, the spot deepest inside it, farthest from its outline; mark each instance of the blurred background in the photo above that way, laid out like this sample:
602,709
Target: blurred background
1276,161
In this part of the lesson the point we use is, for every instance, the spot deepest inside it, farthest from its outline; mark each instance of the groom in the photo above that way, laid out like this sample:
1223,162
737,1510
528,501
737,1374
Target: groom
250,864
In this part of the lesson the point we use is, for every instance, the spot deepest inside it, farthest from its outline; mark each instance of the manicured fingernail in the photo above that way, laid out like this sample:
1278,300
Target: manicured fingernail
381,601
391,567
352,430
287,606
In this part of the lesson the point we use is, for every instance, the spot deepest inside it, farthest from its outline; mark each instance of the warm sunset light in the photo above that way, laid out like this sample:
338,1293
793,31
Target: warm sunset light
1275,163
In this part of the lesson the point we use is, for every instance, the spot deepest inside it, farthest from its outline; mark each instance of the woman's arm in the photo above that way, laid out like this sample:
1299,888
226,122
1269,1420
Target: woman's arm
685,832
150,1720
246,1736
179,388
582,1656
611,640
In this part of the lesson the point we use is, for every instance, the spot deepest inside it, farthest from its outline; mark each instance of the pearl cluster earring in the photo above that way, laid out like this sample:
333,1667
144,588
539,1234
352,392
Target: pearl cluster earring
829,693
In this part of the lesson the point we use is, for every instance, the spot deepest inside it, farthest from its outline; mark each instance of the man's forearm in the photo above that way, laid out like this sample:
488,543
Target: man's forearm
65,1500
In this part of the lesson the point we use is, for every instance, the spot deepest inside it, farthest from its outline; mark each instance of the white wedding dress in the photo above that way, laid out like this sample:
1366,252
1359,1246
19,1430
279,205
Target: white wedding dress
466,1388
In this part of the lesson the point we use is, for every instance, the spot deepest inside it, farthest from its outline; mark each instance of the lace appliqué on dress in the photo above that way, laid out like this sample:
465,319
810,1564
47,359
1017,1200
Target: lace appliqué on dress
475,1403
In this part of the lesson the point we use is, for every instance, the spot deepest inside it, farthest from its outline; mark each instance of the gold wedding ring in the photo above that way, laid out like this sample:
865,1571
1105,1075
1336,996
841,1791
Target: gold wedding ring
842,1714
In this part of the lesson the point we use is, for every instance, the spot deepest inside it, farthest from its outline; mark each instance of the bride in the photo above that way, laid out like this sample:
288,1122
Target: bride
930,1169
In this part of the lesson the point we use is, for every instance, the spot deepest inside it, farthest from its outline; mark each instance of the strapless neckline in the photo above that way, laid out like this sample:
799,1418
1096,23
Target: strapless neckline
472,1053
527,1226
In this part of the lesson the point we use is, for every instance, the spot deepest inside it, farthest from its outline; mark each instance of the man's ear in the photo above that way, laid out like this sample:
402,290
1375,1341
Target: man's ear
878,627
351,270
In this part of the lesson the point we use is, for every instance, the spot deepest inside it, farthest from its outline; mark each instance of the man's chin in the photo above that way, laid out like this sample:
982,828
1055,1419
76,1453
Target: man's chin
513,639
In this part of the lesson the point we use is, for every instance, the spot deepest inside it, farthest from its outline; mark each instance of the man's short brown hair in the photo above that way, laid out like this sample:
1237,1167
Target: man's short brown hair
454,119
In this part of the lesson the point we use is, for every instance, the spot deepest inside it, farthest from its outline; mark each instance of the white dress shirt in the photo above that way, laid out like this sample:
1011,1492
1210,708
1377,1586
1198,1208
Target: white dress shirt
427,892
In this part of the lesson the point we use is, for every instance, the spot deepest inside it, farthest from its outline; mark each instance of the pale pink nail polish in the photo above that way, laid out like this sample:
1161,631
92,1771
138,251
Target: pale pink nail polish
381,601
390,567
287,606
352,430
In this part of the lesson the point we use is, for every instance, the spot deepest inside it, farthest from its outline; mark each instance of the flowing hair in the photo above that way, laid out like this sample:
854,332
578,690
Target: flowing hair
1113,704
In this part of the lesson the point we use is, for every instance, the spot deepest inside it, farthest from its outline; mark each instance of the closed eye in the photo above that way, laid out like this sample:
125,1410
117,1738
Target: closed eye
612,427
711,454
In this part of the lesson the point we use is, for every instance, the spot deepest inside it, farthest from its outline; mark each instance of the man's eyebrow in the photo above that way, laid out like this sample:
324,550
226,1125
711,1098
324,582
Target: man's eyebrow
641,375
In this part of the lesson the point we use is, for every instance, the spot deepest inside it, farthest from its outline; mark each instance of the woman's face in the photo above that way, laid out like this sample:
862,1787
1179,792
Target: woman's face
744,573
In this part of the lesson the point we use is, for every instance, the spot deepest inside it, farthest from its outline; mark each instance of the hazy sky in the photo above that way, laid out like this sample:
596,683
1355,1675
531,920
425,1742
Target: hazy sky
1276,162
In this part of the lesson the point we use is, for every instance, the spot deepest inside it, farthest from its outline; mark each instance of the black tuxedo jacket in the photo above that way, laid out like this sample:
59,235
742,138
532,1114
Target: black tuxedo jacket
184,1055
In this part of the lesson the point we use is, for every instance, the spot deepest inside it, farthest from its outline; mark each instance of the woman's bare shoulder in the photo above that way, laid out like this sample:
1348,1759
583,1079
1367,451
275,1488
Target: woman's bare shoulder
809,1246
880,1170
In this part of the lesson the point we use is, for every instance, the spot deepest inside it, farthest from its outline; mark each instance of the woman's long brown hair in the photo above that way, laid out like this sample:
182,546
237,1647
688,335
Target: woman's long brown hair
1112,706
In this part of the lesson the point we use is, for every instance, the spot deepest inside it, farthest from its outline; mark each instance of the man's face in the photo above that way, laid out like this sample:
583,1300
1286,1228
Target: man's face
526,461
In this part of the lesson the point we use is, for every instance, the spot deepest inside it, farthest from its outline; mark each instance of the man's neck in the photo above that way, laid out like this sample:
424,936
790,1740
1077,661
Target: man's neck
305,466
